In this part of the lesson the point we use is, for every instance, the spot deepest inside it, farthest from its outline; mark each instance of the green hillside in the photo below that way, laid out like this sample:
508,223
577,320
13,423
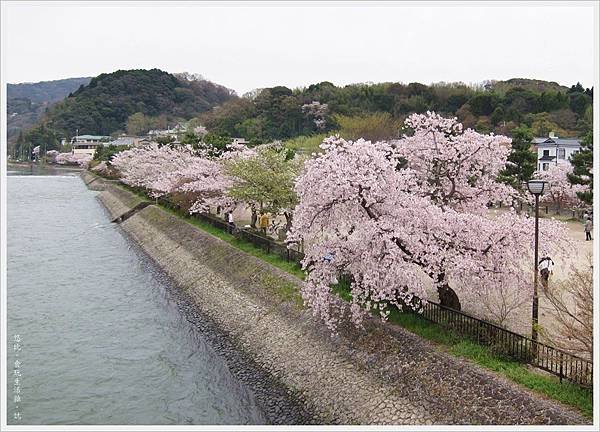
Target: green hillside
27,102
138,100
376,110
105,105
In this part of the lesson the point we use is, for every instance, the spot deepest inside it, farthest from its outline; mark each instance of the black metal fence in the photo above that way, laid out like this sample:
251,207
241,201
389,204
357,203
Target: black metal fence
521,348
249,235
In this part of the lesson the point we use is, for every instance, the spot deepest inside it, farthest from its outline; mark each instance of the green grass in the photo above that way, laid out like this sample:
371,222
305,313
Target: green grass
249,248
565,392
547,385
284,289
452,343
550,386
306,144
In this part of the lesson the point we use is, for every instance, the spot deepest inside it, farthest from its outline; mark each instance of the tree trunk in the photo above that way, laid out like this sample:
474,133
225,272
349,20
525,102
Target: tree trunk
288,221
448,297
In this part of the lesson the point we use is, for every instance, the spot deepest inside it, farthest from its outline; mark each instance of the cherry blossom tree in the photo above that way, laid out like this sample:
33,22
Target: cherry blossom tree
562,193
317,112
206,180
398,215
101,167
164,170
152,167
51,155
81,159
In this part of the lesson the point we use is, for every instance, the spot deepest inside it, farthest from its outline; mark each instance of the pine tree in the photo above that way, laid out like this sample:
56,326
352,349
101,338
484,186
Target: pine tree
521,161
582,162
19,144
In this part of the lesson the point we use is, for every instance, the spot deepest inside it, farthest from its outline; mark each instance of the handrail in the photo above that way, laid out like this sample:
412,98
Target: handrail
523,348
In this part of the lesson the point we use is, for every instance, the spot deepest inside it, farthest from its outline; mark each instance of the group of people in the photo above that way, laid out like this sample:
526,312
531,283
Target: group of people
263,222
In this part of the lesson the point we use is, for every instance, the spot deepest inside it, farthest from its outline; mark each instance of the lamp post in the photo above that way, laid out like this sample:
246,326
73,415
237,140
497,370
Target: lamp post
536,188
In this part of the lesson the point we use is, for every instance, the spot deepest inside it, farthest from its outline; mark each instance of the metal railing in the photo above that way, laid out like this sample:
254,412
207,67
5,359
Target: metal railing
521,348
249,235
564,365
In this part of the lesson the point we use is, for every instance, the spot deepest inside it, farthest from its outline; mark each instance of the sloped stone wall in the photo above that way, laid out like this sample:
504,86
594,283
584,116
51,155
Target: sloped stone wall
379,375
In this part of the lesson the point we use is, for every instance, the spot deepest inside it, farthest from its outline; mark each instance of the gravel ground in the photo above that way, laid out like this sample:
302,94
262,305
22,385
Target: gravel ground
379,375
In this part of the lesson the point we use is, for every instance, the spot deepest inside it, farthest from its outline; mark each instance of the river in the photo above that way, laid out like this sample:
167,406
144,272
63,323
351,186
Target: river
94,332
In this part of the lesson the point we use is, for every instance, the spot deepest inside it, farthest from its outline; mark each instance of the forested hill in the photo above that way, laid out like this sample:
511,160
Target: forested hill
375,111
105,105
27,102
135,101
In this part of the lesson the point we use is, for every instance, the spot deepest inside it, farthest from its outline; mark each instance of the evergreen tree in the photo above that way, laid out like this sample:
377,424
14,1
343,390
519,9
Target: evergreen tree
190,138
20,145
582,162
522,161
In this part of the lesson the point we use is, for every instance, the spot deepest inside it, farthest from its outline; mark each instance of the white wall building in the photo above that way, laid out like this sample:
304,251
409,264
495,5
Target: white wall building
241,141
87,144
555,150
131,141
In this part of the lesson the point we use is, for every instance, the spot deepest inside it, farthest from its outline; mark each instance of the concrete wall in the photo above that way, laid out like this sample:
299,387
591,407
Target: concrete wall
380,375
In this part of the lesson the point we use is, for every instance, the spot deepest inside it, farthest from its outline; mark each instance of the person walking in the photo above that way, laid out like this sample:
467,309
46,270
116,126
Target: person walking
545,266
263,222
230,224
588,228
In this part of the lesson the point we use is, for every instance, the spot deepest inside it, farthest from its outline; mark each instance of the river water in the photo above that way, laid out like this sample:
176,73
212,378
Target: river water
94,333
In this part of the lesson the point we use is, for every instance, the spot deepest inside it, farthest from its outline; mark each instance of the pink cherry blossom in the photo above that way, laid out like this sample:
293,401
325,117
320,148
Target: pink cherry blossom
393,214
560,191
317,112
81,159
163,170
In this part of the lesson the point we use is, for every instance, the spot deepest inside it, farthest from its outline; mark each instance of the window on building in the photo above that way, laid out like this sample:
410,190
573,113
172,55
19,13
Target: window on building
561,153
546,153
545,167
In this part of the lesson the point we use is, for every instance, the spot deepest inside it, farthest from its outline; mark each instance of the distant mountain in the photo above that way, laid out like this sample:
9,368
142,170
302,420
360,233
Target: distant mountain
45,91
104,105
27,102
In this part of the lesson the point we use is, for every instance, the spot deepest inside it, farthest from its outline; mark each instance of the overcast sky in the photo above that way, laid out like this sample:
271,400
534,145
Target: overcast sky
246,47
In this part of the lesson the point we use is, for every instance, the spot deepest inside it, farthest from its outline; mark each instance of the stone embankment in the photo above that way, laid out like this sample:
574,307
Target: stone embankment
382,374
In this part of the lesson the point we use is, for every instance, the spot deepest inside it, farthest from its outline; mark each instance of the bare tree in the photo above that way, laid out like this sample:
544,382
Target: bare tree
502,306
572,307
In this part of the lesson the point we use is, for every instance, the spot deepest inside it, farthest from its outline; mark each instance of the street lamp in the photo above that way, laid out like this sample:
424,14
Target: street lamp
536,188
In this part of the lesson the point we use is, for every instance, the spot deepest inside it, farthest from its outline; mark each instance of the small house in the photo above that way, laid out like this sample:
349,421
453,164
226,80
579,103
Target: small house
555,150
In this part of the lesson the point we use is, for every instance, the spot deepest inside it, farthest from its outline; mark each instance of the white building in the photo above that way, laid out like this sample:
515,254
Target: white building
87,144
131,141
555,150
242,141
173,132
